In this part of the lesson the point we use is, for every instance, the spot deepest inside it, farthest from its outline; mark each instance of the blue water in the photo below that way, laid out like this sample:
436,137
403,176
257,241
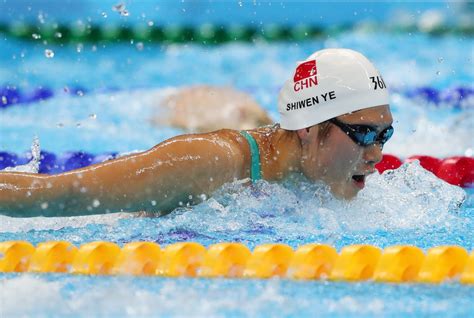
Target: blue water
122,85
64,123
246,12
57,296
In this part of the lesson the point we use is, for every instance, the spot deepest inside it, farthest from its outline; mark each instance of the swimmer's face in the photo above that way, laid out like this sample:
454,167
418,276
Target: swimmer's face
336,159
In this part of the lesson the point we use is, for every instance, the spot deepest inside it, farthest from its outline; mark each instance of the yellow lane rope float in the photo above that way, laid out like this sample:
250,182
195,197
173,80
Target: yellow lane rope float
394,264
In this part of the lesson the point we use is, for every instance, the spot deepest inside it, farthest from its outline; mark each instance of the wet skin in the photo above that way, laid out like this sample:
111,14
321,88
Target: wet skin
179,171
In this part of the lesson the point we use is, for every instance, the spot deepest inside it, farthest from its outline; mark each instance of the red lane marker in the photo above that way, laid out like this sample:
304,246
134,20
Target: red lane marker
389,162
457,170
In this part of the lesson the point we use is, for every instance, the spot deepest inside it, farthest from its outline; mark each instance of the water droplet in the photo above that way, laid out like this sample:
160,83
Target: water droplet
41,18
438,73
92,116
58,35
94,48
150,23
104,15
440,60
4,100
79,47
139,46
153,202
124,13
44,205
60,125
118,7
240,3
78,125
36,36
95,203
355,12
80,93
49,53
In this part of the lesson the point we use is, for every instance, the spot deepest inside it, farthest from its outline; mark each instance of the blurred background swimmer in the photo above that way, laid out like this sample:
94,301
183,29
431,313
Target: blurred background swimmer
204,108
335,120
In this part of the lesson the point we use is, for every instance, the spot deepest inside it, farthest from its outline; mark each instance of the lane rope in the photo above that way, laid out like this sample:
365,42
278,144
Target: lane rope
394,264
206,34
461,97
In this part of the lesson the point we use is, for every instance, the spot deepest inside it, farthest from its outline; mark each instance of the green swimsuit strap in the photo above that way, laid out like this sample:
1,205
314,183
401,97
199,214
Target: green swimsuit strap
255,173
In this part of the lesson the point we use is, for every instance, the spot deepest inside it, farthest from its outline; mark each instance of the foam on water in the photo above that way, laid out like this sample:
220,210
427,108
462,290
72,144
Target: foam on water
409,199
57,296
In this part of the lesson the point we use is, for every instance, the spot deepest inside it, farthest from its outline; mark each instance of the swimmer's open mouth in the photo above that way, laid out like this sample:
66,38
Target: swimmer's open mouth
359,180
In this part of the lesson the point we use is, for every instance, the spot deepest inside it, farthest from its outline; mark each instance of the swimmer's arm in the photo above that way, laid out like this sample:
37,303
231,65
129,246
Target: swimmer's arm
175,172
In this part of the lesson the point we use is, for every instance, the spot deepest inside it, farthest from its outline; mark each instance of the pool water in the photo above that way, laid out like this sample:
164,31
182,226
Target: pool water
406,206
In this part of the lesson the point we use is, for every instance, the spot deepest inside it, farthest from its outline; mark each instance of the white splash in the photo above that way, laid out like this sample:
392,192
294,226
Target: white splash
16,225
407,198
33,165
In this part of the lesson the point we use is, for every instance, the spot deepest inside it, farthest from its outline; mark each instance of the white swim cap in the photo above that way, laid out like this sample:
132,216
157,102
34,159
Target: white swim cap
330,83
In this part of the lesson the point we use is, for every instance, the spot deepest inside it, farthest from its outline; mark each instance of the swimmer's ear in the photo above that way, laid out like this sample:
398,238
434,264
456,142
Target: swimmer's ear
307,134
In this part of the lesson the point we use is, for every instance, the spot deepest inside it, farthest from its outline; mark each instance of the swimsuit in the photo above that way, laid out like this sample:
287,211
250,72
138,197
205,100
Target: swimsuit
255,169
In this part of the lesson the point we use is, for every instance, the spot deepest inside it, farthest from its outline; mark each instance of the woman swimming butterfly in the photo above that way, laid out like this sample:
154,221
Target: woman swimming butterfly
335,119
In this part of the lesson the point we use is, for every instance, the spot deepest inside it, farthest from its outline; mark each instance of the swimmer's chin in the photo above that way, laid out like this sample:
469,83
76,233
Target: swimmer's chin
344,195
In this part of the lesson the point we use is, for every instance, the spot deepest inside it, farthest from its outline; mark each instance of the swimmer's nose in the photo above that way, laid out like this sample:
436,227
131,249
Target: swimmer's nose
373,154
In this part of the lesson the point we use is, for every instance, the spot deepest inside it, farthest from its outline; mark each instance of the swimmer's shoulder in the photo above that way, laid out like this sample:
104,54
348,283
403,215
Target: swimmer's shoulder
222,140
263,135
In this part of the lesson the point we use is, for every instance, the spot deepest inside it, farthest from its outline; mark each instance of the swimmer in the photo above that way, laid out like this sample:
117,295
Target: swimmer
204,108
335,119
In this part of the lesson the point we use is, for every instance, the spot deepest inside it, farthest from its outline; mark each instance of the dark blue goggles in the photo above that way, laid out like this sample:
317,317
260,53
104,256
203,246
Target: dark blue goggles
364,135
